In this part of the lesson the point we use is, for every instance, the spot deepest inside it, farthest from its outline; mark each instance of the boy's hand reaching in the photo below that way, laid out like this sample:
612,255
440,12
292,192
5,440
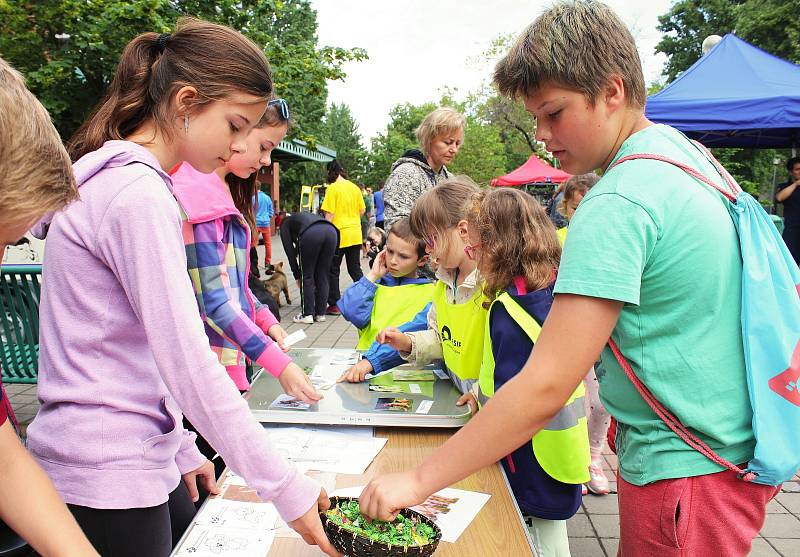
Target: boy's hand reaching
297,384
379,267
395,338
356,373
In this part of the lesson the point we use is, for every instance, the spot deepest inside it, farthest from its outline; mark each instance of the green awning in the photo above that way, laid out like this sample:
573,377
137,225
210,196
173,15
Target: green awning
298,151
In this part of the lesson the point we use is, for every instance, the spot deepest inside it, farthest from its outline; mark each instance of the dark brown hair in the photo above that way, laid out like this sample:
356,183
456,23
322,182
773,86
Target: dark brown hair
516,238
214,59
335,169
578,45
243,189
402,229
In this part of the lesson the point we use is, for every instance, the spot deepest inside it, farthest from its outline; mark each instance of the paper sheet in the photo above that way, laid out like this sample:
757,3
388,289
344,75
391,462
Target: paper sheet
294,338
452,509
210,541
343,451
237,514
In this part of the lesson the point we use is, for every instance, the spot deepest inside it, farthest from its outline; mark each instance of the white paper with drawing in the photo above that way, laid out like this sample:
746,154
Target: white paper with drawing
452,509
325,449
212,541
236,514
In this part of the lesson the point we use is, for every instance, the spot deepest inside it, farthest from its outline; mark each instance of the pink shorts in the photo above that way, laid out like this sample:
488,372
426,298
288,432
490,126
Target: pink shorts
715,514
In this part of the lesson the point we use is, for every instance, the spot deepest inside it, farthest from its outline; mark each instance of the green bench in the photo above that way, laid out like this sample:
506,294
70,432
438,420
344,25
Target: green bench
20,289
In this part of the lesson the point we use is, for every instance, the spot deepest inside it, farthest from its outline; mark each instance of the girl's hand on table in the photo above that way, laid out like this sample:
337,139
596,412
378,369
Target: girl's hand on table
297,384
278,333
385,496
357,372
310,528
470,400
207,478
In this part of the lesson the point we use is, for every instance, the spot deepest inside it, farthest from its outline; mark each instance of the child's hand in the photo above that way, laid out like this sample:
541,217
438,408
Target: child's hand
385,496
310,528
277,333
205,476
379,267
357,372
395,338
469,399
297,384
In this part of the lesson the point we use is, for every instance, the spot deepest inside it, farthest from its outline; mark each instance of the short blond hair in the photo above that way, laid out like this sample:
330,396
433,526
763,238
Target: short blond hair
35,170
577,45
441,121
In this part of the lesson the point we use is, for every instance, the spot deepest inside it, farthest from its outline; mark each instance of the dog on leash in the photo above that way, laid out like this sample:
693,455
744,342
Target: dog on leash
278,283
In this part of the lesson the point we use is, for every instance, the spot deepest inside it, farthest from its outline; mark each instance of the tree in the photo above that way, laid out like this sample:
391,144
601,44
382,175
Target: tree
768,24
340,132
686,25
68,49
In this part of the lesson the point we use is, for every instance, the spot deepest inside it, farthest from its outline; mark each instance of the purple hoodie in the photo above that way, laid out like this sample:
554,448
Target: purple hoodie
122,352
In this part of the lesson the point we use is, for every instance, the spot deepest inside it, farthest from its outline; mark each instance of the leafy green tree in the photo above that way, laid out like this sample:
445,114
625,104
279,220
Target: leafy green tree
772,25
68,49
340,132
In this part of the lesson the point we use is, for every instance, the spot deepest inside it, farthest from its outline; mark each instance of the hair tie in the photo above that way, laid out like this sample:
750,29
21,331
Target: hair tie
161,42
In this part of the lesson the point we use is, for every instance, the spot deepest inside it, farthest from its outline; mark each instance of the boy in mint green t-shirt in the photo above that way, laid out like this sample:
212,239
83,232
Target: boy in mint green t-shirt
652,260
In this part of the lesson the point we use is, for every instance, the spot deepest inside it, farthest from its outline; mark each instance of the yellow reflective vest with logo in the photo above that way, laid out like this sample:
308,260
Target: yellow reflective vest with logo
562,447
461,329
398,305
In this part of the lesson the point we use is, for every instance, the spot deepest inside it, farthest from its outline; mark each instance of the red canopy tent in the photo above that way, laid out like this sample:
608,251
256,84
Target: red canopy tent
533,171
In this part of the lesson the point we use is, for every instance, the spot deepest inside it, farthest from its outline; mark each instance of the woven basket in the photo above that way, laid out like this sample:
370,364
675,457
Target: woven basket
357,545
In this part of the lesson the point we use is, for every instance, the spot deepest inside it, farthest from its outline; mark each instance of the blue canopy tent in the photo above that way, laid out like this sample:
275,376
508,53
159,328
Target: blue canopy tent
737,95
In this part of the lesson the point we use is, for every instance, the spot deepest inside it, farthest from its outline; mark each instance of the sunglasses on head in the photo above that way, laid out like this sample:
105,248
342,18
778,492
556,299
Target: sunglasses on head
283,107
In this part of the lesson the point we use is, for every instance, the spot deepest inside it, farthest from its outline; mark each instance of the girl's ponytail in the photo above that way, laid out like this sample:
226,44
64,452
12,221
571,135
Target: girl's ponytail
212,58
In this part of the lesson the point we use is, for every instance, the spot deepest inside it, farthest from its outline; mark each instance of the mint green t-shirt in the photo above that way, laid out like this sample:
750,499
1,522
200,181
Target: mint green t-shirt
663,243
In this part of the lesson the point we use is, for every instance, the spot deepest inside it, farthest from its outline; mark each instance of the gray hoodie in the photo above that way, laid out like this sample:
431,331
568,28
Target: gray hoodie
410,177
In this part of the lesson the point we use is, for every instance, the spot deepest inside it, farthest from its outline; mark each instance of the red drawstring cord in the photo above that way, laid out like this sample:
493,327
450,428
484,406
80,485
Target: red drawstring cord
672,422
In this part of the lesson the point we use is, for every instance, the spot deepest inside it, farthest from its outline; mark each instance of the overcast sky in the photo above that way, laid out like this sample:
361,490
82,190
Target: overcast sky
416,48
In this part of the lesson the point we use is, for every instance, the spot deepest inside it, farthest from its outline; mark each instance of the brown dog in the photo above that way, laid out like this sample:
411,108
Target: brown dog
277,283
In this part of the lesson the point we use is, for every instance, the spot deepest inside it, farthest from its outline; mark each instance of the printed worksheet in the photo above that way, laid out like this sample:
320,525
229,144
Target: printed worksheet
211,541
344,451
237,514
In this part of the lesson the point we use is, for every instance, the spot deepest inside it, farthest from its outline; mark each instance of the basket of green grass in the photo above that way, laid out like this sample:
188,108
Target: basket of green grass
411,534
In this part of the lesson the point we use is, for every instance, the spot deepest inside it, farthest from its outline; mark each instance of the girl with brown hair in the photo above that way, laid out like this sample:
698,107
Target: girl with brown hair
517,253
122,352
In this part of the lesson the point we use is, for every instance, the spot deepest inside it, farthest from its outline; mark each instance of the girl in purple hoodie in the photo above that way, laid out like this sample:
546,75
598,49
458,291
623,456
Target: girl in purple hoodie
122,352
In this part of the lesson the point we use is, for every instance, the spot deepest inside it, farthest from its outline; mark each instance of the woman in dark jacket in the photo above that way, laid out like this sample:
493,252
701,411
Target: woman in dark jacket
440,136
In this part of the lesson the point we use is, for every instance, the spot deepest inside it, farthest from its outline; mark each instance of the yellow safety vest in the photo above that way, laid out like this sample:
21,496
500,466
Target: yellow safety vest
561,234
398,305
461,328
562,447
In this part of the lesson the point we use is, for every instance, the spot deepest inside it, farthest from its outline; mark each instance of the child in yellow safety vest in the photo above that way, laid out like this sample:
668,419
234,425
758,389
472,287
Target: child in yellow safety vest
457,318
391,294
546,473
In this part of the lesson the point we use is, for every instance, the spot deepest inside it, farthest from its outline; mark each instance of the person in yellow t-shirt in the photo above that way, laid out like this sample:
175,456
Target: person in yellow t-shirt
343,206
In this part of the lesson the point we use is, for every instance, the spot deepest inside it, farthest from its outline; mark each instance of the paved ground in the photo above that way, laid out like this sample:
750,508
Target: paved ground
594,531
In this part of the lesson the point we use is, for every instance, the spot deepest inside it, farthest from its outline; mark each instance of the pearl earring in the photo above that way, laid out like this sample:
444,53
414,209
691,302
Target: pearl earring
186,123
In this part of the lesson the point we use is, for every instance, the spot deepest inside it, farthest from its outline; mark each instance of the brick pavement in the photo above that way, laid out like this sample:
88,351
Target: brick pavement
593,531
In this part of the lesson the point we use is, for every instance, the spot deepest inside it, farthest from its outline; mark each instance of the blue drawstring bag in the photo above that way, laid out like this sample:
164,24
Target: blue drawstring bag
770,334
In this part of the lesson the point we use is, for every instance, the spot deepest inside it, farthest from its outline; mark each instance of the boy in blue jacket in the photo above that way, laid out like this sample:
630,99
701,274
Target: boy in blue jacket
391,293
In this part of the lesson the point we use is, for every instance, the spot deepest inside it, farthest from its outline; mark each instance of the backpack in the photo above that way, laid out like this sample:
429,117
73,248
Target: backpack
770,333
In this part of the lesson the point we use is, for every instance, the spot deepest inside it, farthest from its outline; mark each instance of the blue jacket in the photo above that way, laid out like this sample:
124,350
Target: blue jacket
264,211
378,197
536,492
356,306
